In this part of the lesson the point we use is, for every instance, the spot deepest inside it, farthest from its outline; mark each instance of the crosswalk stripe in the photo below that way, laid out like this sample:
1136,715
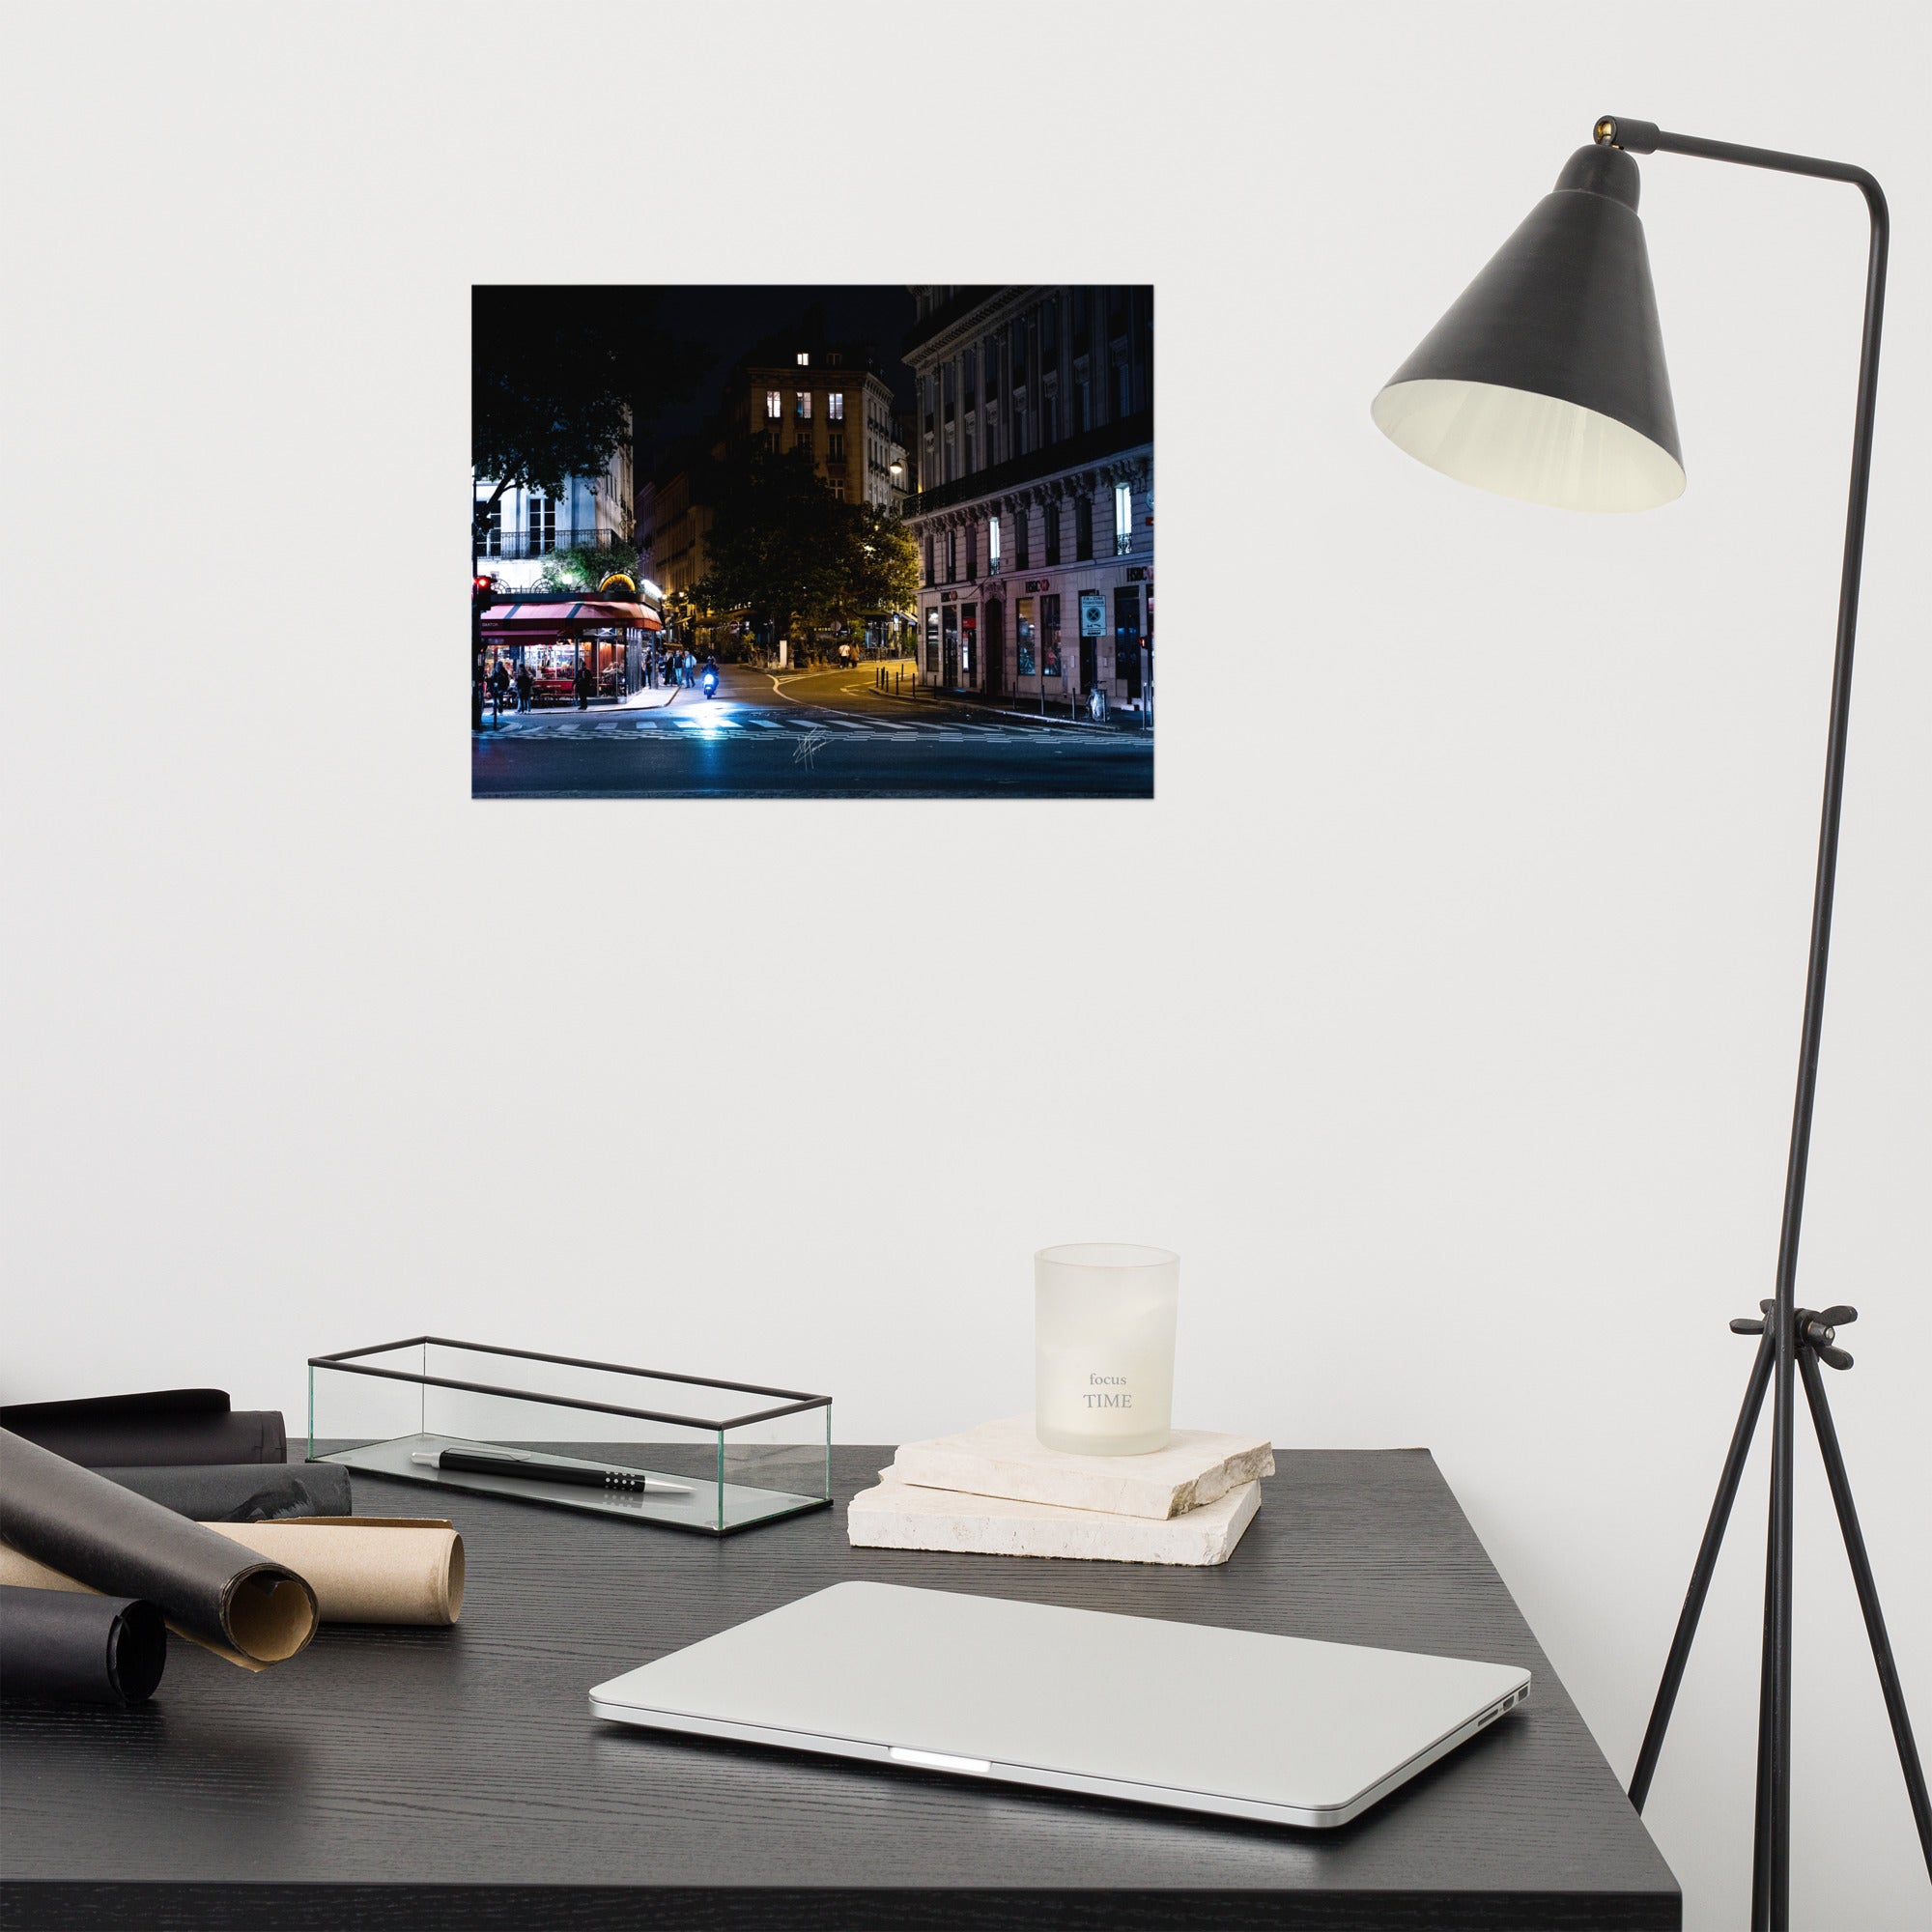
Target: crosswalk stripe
953,732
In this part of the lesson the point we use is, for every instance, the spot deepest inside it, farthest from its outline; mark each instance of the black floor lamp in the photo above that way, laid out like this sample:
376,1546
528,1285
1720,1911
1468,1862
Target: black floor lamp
1546,382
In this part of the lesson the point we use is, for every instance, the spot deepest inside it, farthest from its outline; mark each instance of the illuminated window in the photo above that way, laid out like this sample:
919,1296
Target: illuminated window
771,405
993,547
804,405
803,360
834,406
543,526
1124,519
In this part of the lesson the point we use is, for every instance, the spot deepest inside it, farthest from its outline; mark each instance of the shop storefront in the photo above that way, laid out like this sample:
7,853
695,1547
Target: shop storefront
556,639
1053,638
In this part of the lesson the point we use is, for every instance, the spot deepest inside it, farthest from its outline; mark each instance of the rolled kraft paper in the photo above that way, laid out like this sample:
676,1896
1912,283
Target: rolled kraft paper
242,1491
80,1649
367,1570
159,1426
105,1537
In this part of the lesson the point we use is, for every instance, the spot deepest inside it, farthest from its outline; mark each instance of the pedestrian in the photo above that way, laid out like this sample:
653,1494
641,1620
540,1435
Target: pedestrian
525,682
499,683
582,684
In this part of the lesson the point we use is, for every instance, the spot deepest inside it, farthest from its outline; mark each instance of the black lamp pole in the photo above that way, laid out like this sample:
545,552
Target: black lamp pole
1794,1346
1545,380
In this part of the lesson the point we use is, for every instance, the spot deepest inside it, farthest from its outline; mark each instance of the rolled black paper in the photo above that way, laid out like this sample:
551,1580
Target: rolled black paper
80,1649
162,1426
208,1587
243,1492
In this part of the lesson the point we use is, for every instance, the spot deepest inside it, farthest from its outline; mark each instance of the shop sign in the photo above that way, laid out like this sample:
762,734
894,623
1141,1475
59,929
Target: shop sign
1137,573
1092,614
1039,583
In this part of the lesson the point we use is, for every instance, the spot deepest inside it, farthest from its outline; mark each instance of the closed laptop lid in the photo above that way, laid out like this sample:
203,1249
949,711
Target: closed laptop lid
1279,1721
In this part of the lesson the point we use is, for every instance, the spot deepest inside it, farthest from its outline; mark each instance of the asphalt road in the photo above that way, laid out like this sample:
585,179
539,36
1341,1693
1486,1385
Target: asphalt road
823,734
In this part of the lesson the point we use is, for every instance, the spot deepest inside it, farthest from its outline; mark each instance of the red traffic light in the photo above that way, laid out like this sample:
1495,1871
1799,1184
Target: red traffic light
482,586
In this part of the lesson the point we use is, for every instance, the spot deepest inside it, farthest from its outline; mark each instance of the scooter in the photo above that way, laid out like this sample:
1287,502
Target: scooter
710,683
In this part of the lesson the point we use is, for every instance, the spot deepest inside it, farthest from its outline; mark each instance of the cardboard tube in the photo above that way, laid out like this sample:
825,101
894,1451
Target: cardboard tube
19,1572
366,1570
89,1533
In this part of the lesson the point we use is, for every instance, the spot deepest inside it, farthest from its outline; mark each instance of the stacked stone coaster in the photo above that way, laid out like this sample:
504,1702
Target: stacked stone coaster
996,1491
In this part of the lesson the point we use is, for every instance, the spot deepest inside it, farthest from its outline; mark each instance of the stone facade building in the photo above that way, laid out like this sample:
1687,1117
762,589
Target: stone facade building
524,527
1034,508
828,399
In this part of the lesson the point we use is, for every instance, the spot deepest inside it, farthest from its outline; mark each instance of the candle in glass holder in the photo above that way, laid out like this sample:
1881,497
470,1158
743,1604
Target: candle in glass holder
1104,1346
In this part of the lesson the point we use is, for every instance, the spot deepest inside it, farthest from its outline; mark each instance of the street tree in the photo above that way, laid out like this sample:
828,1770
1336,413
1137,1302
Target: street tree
780,543
883,576
560,379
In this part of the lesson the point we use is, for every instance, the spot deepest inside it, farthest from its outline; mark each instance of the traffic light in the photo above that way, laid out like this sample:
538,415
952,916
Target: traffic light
482,590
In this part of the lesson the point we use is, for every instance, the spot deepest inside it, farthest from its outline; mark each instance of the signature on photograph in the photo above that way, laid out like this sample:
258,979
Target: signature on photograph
809,746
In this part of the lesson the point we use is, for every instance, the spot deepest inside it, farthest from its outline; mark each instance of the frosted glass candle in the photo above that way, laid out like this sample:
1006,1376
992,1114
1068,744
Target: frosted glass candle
1103,1348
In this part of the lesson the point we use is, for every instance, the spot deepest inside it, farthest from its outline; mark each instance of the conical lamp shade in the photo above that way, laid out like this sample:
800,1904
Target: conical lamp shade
1545,380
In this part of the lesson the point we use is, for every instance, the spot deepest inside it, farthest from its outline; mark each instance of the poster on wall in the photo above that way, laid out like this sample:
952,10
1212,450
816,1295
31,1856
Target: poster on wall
754,541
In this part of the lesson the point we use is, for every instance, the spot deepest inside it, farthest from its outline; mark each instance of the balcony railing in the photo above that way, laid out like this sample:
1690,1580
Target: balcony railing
1070,453
514,546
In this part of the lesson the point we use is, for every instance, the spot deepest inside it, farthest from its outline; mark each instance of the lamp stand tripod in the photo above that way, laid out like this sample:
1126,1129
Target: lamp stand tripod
1794,1340
1816,1336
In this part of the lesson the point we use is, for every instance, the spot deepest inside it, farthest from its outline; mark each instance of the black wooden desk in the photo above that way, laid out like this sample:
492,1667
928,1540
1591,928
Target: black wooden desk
427,1779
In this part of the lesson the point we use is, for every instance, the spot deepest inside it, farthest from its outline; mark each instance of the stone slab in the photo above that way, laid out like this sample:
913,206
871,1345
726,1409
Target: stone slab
903,1515
1006,1459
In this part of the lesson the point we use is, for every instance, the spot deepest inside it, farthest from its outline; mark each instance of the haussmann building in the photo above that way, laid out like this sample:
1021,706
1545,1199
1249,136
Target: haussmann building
1035,506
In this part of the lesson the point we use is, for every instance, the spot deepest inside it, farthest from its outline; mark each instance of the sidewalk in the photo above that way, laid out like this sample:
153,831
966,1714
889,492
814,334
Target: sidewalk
649,699
1015,708
659,700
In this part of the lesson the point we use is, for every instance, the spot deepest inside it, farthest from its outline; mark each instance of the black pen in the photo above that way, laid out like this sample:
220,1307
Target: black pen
530,1469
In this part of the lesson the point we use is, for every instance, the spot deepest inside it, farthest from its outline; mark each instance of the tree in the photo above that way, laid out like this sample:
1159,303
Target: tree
784,546
584,566
780,540
884,566
559,380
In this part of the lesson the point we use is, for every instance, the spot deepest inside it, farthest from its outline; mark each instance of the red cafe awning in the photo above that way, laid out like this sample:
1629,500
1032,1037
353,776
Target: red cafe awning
532,617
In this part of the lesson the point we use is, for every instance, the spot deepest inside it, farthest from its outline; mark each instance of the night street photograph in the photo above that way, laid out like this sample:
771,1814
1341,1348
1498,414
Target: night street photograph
784,542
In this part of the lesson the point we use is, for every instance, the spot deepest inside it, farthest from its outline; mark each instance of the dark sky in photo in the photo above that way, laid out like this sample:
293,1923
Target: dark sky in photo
729,320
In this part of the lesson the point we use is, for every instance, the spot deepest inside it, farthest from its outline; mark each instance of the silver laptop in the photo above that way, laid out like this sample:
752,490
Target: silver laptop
1279,1728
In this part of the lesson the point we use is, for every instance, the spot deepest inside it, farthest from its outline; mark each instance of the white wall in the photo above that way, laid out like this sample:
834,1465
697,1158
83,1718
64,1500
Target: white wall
1452,982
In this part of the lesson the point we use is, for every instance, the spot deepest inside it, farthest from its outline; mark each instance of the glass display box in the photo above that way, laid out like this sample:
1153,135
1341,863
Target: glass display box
683,1452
